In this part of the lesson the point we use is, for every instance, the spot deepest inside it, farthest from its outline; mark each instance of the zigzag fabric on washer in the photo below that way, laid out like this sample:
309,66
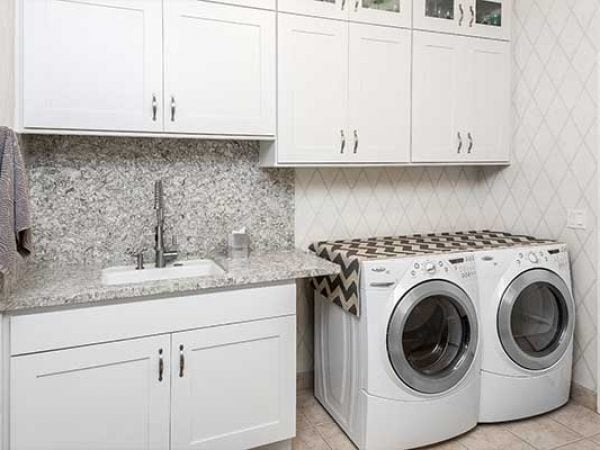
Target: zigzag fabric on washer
344,289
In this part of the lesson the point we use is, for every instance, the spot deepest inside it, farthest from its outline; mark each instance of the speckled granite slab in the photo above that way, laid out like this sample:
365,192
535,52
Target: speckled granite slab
45,286
92,197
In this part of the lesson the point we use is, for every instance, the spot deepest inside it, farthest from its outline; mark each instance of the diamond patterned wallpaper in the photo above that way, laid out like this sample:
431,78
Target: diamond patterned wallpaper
555,78
554,169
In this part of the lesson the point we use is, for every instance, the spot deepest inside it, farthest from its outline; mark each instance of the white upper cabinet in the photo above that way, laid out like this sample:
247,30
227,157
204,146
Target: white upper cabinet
488,99
313,90
219,69
92,64
379,99
484,18
111,396
438,96
461,99
233,386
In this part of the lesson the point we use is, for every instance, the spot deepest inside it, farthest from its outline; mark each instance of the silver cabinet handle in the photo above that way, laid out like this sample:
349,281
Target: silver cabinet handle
460,143
472,21
470,137
343,4
173,108
181,361
154,107
343,143
355,141
161,365
356,5
462,14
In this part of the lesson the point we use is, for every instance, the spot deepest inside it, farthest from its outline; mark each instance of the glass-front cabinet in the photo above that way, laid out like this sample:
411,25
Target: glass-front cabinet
380,12
484,18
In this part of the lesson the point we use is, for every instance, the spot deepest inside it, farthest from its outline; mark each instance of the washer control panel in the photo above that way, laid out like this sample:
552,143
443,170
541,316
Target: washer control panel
463,265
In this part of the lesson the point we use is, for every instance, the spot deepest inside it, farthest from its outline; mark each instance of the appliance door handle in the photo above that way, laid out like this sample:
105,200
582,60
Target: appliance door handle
382,284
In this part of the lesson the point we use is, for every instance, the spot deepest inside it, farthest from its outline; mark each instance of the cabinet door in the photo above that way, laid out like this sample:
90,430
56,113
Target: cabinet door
330,9
382,12
107,396
234,385
219,69
313,90
438,98
92,64
488,101
490,18
450,16
379,94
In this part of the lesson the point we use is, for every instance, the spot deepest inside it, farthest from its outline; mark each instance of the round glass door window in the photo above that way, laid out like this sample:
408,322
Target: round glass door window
535,319
432,337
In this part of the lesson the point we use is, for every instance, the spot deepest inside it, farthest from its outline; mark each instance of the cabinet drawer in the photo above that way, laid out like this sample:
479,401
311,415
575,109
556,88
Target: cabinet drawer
74,327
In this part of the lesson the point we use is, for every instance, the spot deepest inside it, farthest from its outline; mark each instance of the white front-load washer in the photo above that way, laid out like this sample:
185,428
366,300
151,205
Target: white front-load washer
406,372
527,316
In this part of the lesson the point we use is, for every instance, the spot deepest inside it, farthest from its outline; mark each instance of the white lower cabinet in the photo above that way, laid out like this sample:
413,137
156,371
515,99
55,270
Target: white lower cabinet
106,396
225,384
233,386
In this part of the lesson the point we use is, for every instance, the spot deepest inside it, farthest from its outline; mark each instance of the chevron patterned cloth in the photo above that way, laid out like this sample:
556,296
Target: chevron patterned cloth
344,289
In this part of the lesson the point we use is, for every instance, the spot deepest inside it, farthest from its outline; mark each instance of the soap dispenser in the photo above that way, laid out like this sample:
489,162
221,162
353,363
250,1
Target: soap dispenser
239,244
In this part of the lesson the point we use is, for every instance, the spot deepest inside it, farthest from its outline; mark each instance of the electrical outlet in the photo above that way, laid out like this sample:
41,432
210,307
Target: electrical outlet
576,219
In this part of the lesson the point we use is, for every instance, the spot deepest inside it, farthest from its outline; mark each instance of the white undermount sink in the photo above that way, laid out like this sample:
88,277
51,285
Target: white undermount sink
178,269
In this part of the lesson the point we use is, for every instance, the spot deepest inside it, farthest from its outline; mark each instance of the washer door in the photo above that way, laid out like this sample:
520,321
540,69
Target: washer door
432,336
536,319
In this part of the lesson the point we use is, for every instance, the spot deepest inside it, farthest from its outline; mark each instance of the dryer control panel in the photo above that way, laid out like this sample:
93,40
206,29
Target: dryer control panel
543,256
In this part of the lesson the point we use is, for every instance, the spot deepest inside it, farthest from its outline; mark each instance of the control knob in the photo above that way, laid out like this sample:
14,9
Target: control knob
430,268
533,257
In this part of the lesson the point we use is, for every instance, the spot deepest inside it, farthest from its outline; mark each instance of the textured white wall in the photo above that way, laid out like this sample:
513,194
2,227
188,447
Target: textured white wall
555,46
7,92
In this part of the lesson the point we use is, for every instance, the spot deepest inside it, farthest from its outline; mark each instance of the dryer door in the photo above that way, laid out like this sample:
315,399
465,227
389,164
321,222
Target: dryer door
432,336
536,317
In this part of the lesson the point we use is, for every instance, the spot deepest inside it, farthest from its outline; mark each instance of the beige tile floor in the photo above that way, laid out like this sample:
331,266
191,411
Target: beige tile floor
572,427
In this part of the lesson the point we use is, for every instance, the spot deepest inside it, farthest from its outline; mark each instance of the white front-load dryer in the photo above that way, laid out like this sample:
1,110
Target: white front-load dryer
406,372
527,318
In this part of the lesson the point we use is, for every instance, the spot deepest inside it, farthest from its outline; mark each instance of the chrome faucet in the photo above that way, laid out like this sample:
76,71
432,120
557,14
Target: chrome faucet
162,256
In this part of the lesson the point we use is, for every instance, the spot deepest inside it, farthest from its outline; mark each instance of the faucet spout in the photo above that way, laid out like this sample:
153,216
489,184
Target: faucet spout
162,256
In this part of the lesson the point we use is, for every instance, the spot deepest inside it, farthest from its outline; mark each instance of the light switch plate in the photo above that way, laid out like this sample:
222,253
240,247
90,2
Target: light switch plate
576,219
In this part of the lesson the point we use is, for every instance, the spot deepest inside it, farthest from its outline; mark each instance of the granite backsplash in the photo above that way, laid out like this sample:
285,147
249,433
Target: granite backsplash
92,197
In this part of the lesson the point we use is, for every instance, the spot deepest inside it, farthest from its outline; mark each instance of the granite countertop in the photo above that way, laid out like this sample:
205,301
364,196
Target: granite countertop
45,286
